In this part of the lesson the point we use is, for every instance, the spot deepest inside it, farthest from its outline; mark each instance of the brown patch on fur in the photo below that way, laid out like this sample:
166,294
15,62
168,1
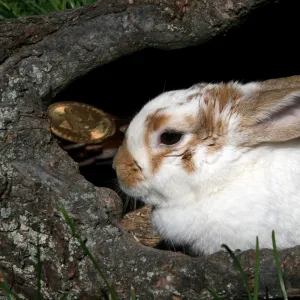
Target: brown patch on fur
157,159
215,145
223,94
187,158
191,121
153,123
156,120
188,162
216,99
127,170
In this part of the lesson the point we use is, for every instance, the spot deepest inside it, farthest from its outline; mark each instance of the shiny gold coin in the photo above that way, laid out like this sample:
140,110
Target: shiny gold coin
80,123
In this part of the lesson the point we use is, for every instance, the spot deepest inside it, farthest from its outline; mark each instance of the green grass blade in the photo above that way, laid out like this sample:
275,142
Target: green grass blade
238,266
35,9
256,271
5,283
5,5
73,4
8,291
213,293
87,252
133,293
39,271
56,5
279,271
6,11
64,4
18,8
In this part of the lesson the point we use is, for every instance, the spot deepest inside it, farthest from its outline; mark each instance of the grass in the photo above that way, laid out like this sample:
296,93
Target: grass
133,297
243,275
279,272
213,293
13,9
4,286
255,295
240,269
256,272
112,293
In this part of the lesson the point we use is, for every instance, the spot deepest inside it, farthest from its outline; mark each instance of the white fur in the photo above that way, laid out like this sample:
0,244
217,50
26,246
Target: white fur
234,195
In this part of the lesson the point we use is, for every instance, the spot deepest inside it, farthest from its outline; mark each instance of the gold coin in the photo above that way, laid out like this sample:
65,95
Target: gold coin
80,123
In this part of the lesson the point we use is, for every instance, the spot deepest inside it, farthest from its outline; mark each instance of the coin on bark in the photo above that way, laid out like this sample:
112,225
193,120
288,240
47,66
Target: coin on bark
80,123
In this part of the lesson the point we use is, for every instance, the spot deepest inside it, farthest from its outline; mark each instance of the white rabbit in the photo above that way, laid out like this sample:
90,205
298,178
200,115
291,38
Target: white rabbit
220,163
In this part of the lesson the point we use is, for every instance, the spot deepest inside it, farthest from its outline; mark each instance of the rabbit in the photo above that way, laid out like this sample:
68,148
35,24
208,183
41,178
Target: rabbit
219,163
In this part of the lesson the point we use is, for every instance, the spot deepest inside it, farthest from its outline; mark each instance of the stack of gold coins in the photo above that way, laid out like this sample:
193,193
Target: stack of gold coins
87,133
80,123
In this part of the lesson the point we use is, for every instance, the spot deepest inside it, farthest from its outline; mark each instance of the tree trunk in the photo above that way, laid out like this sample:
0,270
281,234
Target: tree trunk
40,56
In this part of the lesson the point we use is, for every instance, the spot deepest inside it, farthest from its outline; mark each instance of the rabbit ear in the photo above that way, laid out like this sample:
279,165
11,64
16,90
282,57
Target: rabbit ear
270,116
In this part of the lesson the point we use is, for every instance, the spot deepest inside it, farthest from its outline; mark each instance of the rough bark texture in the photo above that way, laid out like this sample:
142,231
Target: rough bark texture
41,55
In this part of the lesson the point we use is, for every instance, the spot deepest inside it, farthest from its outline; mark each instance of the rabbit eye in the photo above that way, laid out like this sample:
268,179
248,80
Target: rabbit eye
170,138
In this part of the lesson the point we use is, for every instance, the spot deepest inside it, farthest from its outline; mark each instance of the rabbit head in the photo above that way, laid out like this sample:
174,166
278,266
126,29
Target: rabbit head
187,140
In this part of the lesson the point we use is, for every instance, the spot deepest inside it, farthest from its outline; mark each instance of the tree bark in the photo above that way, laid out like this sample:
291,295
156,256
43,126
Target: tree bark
40,56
